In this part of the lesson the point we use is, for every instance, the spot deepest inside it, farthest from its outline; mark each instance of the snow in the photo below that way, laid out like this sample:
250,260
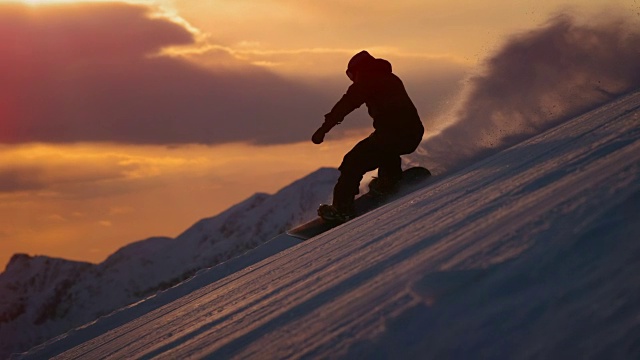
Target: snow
530,253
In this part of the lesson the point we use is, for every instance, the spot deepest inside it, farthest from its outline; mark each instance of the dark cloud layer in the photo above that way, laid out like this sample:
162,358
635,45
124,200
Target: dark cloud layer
16,180
86,72
537,80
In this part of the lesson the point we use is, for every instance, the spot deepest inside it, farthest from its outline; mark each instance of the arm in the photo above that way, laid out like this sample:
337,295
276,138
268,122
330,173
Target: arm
351,100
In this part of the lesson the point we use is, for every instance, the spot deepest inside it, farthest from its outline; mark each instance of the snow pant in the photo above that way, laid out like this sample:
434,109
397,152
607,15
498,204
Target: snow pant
377,151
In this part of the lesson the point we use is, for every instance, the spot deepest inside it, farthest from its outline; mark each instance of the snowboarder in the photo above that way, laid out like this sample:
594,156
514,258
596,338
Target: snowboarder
398,131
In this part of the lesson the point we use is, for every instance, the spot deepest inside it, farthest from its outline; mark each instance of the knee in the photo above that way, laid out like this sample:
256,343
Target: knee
350,175
360,160
349,161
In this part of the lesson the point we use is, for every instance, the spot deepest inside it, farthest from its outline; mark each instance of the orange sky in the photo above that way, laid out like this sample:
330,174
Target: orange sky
125,120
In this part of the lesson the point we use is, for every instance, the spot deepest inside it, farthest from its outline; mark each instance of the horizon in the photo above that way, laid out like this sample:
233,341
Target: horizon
79,189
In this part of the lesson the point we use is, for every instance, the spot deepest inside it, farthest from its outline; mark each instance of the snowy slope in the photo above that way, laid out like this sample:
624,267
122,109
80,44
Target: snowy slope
530,253
44,297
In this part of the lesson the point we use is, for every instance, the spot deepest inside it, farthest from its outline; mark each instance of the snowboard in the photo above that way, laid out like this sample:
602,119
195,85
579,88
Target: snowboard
412,179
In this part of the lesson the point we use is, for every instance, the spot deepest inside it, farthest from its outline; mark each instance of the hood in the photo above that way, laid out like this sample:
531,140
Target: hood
363,61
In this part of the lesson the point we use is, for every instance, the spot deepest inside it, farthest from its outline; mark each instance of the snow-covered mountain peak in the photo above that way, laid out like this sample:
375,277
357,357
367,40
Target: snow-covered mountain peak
297,200
37,271
30,284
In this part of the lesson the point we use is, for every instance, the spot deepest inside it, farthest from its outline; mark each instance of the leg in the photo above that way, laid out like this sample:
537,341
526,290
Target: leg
390,164
390,169
365,156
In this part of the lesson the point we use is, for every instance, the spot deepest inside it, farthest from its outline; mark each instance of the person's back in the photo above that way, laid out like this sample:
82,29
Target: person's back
386,98
375,85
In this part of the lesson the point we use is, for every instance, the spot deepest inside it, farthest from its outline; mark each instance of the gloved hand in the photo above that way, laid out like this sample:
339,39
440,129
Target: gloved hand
329,122
318,136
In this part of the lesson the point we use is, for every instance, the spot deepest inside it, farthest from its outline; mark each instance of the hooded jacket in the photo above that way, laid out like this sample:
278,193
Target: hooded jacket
387,101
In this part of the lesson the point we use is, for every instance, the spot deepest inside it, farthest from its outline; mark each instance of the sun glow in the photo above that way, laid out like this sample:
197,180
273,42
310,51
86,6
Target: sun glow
51,2
44,2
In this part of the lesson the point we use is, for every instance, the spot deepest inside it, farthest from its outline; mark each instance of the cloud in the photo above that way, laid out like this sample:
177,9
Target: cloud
57,218
121,210
20,179
30,178
105,223
537,80
82,171
92,72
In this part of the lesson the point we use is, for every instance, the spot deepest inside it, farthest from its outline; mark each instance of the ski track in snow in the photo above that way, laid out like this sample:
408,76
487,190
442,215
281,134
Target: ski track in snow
531,253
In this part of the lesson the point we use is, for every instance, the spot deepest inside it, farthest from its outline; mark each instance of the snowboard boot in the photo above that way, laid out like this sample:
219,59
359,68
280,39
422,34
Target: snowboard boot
333,214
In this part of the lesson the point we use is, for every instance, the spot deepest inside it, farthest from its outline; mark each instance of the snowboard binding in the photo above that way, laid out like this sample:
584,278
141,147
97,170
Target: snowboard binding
380,187
331,214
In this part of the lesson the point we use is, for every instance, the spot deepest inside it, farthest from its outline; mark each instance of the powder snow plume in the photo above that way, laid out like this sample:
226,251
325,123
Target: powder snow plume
537,80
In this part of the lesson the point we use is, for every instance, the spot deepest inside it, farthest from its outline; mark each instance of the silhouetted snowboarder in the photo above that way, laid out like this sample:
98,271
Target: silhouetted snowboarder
398,131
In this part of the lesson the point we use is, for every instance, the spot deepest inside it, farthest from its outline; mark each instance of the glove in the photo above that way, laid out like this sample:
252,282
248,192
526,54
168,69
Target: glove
329,122
318,136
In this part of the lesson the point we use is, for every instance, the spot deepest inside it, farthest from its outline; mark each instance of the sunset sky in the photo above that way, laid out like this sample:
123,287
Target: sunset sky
125,120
